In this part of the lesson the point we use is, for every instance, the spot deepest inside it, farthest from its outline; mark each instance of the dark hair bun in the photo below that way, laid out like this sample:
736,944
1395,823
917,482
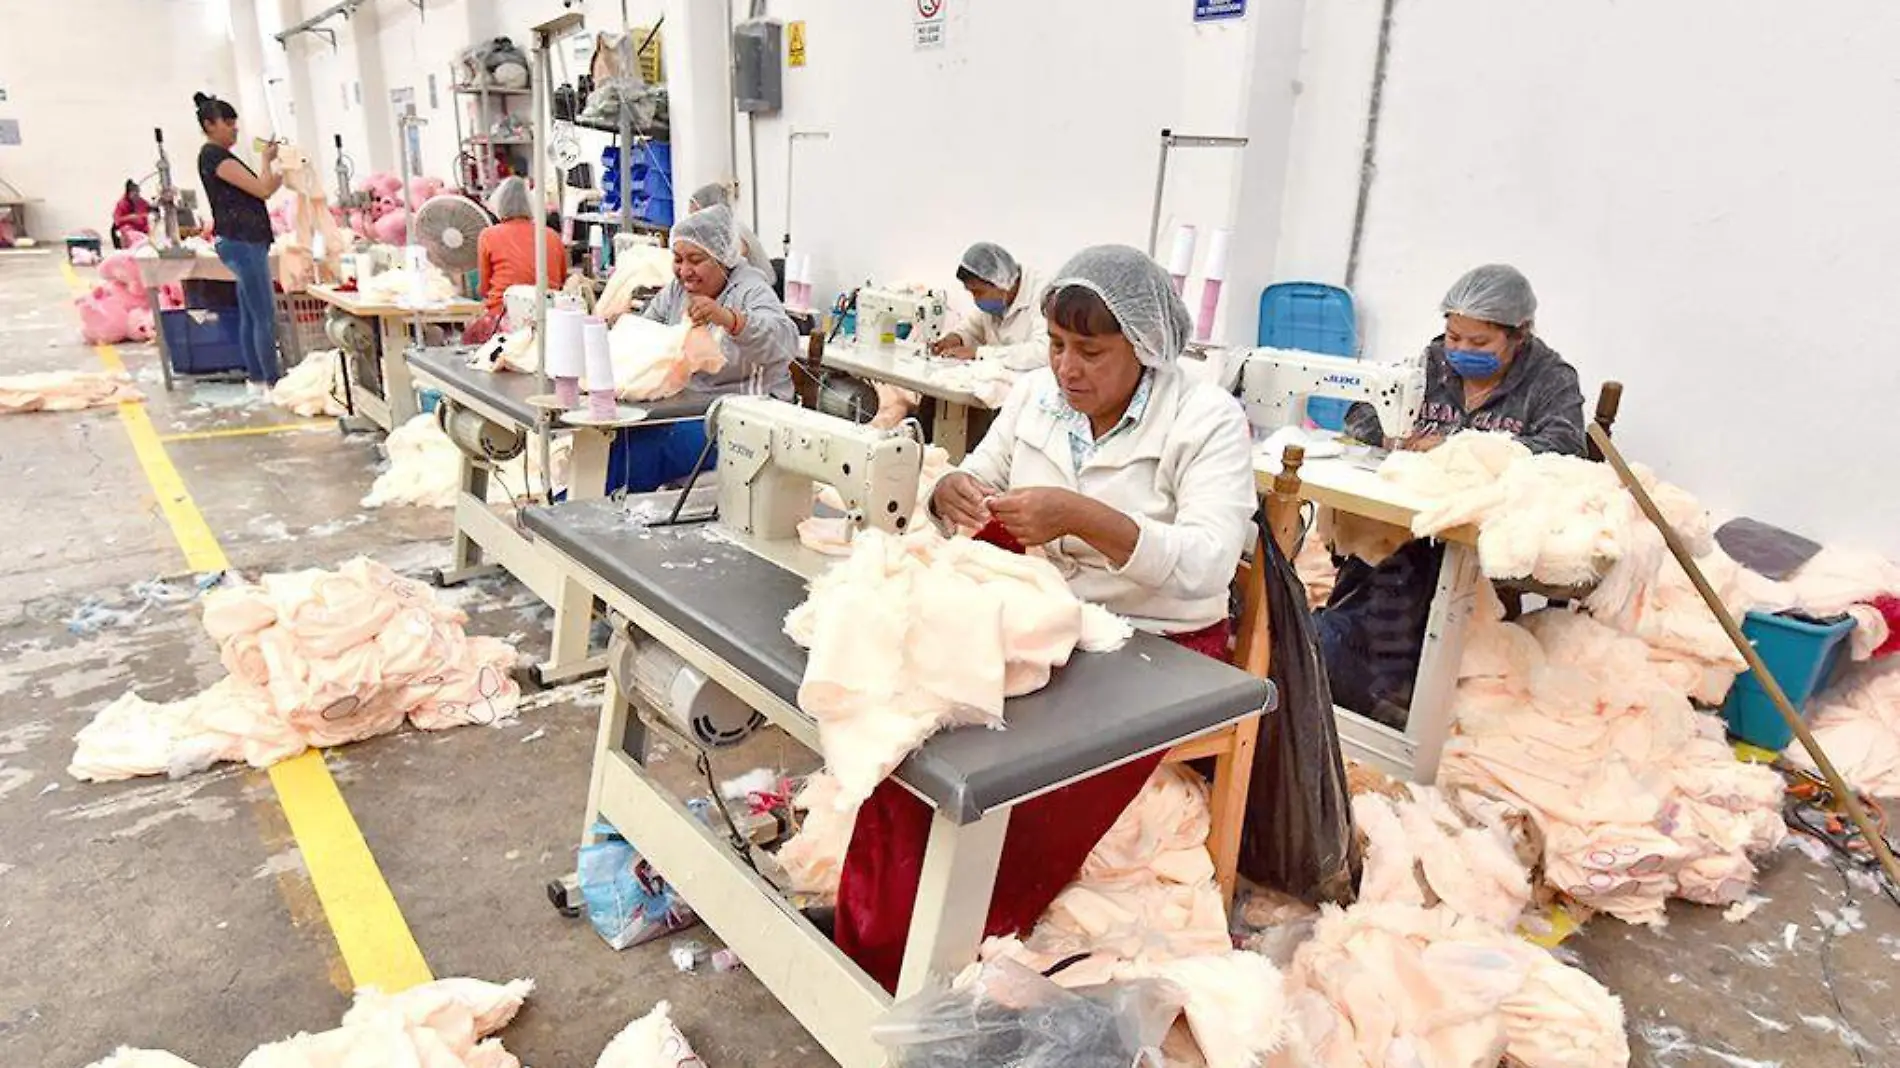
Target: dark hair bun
201,99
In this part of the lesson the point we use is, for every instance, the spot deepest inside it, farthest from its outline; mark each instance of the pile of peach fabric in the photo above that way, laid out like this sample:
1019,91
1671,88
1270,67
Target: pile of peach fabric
654,361
447,1023
1638,795
310,389
316,658
425,469
881,678
64,391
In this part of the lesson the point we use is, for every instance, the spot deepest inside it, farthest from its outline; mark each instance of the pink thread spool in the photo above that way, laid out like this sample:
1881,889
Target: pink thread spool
600,368
565,355
1181,257
1210,286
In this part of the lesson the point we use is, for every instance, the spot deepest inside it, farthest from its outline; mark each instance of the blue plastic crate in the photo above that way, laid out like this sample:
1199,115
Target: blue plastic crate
656,210
202,341
1802,655
1312,317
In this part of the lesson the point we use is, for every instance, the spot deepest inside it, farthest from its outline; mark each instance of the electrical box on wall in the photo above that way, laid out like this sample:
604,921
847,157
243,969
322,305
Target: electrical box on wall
759,70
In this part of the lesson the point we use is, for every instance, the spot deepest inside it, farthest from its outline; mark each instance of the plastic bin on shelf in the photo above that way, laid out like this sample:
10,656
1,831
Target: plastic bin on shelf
1802,654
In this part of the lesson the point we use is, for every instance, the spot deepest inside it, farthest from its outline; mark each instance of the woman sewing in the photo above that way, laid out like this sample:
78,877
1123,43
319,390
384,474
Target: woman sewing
1008,326
131,215
504,254
714,194
242,222
1138,484
715,287
1487,371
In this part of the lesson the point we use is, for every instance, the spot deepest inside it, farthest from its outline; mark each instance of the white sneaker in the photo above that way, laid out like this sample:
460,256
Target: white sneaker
257,389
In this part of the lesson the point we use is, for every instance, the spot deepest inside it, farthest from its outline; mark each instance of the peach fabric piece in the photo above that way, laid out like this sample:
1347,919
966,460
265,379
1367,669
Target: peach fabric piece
1637,794
425,469
1857,723
441,1024
64,391
652,1041
1422,851
1561,520
654,361
880,680
316,658
813,858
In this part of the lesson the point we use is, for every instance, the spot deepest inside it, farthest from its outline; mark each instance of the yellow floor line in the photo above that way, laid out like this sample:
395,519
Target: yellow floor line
373,938
247,431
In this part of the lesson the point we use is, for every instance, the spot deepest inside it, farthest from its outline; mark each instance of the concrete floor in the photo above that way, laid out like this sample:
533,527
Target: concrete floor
178,915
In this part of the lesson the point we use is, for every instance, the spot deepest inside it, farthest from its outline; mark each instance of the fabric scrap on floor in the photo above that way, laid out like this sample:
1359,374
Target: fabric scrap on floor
316,658
1424,851
1857,724
64,391
879,680
311,388
425,469
652,1041
1638,795
440,1024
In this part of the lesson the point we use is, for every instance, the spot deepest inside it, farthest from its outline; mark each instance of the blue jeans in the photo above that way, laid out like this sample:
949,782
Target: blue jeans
648,457
257,307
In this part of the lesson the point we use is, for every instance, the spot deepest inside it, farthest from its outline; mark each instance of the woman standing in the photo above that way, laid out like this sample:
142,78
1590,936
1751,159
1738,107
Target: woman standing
236,194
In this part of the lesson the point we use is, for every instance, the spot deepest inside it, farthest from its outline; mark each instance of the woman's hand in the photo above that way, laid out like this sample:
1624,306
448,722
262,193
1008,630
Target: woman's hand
953,346
705,311
1422,442
959,498
270,152
1041,514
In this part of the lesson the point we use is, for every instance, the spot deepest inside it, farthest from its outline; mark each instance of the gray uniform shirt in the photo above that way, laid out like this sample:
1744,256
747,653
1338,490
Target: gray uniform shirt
1539,403
769,340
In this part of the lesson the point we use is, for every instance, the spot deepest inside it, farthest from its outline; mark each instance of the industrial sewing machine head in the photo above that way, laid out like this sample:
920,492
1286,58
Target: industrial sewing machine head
771,452
882,310
1275,385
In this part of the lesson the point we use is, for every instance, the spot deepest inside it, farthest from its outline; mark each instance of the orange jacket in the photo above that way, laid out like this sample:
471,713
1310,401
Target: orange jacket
505,257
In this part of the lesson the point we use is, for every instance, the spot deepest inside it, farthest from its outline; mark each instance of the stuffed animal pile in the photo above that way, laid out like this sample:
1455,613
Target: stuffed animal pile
116,310
386,220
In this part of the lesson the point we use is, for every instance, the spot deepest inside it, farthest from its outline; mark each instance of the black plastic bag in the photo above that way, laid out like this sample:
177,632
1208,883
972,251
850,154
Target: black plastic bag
1298,837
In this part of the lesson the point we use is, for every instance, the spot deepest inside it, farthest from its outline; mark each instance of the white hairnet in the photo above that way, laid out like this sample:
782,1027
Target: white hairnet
511,199
708,195
715,230
1138,293
1495,293
992,263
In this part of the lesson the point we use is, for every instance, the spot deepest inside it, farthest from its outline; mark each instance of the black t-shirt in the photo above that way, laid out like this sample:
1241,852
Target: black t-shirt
234,213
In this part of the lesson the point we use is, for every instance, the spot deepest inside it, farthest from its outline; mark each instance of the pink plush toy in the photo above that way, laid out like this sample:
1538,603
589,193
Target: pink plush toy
171,295
121,270
391,229
139,325
116,309
103,317
421,188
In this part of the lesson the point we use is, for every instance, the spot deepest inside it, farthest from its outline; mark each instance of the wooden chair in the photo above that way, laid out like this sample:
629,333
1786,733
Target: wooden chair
1232,747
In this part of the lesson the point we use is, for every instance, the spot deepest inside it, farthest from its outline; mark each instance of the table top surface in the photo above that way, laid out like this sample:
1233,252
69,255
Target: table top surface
355,304
901,364
1099,711
1353,486
507,391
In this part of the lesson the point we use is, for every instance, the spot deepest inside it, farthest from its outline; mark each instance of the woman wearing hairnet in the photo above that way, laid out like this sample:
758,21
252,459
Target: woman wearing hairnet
1008,326
504,253
714,194
1138,483
1487,371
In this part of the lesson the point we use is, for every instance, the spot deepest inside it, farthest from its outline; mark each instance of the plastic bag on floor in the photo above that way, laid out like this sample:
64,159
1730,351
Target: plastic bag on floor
1298,836
1012,1017
628,902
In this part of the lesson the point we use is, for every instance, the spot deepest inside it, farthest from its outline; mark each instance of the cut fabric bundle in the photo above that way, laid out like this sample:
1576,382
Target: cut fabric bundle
64,391
1637,794
310,389
880,679
653,361
316,658
425,469
1857,724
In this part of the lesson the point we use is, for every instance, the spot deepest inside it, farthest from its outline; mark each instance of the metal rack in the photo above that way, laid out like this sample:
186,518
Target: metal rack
491,105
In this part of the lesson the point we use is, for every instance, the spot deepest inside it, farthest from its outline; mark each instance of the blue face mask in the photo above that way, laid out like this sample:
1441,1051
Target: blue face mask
1478,365
993,307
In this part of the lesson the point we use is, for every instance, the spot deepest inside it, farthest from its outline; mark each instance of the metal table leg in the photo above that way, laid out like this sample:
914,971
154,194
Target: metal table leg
399,388
158,334
953,899
950,430
1429,722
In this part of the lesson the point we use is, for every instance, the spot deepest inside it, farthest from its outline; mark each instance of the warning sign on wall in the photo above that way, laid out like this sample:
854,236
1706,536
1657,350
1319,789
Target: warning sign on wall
1210,10
928,29
795,44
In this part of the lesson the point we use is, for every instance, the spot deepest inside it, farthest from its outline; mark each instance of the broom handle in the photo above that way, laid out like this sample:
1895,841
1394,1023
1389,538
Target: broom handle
1849,799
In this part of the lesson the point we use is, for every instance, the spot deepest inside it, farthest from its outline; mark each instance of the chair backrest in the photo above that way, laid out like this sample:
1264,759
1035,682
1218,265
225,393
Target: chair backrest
1312,317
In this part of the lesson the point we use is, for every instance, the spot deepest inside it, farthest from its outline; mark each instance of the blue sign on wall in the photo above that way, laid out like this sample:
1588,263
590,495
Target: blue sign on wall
1210,10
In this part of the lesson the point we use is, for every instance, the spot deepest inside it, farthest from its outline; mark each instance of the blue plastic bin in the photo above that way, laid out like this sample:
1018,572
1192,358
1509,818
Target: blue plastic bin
1312,317
428,398
656,210
202,340
1803,657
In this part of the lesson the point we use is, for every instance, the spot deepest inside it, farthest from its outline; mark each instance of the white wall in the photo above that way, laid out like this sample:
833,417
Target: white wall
85,130
1036,126
1701,191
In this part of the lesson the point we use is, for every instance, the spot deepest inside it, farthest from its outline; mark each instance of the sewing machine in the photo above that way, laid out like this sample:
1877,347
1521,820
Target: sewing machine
881,310
771,452
1275,385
